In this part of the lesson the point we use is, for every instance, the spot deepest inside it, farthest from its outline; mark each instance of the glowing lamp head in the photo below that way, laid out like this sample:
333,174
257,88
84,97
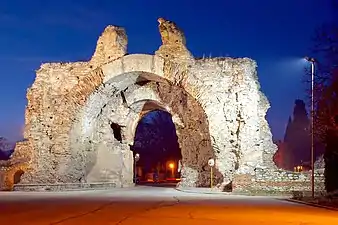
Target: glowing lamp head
312,60
171,165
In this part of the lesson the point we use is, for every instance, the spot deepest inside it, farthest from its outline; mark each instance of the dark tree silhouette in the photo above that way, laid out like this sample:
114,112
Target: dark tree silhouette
331,159
325,51
297,137
281,157
326,95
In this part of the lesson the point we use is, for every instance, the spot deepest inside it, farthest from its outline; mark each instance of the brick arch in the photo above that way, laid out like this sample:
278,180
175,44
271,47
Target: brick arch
54,131
149,65
151,92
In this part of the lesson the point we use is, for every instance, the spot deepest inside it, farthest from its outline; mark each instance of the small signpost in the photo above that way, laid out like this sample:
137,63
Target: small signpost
211,163
136,159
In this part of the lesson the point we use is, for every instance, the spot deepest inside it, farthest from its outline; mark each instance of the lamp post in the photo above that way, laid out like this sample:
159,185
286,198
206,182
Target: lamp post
312,61
211,163
136,159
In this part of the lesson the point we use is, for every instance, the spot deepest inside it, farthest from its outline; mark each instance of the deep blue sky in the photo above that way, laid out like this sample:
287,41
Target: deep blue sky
274,33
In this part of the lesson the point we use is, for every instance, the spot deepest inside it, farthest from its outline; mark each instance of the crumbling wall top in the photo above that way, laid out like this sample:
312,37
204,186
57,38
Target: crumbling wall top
170,32
111,45
173,42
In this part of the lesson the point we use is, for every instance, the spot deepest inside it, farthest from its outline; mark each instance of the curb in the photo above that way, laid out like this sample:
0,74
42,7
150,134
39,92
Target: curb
312,204
203,192
279,197
56,188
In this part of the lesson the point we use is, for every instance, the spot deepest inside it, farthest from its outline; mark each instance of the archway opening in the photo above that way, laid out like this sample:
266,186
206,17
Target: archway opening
17,176
157,154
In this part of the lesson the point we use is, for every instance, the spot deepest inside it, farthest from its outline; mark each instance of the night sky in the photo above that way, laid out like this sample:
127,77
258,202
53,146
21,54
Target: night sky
274,33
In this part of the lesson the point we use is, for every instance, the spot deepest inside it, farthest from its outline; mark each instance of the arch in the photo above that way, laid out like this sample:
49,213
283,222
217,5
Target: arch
156,155
79,141
17,176
123,99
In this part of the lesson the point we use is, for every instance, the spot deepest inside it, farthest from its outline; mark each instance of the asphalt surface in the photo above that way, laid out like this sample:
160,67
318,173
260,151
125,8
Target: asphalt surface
154,205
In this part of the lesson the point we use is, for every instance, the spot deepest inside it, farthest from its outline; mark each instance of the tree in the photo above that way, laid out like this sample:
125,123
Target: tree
297,137
331,159
325,50
326,96
287,151
280,158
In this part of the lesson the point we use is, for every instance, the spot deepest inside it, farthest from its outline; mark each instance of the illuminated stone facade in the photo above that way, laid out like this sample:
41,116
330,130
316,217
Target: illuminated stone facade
216,104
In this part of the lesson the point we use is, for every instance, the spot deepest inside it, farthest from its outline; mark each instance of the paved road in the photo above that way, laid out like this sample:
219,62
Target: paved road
154,205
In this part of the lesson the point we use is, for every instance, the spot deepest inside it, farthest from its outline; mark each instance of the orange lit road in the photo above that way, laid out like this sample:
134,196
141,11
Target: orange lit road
154,205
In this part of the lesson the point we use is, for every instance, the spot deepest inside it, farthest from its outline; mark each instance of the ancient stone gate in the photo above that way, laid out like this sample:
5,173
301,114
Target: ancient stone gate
216,105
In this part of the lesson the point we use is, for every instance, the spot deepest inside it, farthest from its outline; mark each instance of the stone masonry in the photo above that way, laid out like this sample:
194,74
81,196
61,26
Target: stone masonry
216,104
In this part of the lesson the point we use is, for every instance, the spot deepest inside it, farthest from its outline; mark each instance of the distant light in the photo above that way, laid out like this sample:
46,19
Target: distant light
137,157
171,165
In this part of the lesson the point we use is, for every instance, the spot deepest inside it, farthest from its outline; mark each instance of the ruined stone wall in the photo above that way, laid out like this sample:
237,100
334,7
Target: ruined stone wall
193,135
107,159
217,106
228,91
272,181
269,180
11,170
58,92
265,181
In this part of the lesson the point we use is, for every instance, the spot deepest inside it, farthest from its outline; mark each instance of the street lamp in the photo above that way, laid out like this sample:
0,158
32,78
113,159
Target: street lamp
136,159
312,61
172,166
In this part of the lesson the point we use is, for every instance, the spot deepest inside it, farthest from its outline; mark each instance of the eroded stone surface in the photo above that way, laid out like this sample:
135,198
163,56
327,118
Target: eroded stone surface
217,106
111,45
